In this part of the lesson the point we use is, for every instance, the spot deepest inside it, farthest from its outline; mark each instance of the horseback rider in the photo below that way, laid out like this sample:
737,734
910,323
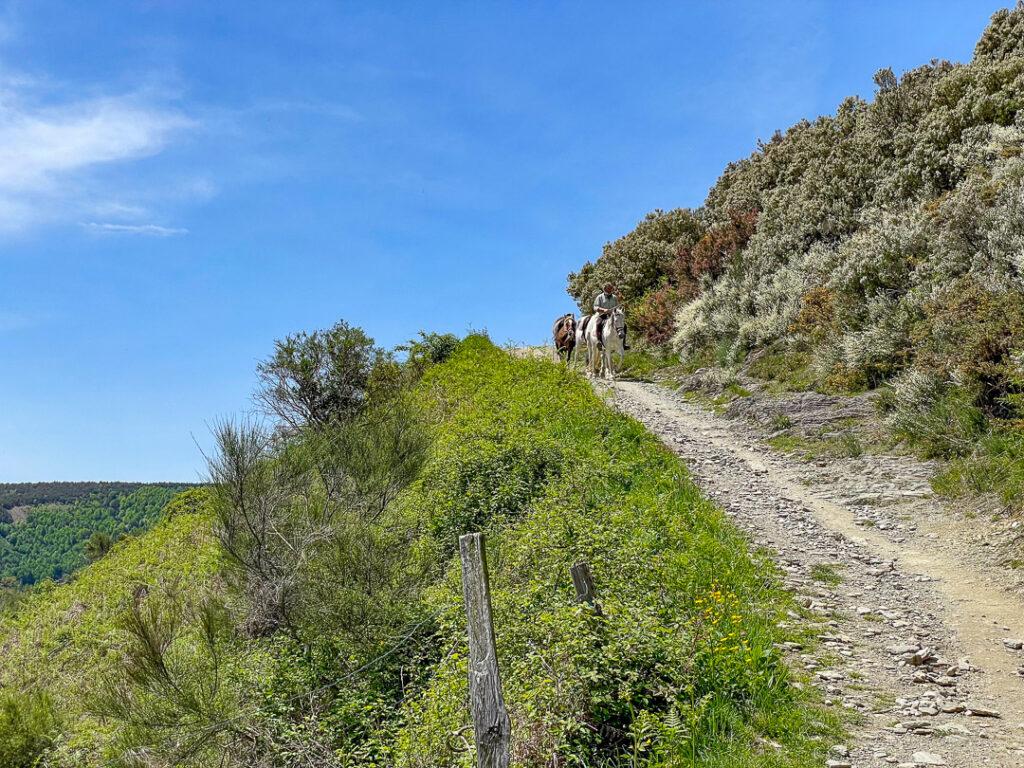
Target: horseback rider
604,303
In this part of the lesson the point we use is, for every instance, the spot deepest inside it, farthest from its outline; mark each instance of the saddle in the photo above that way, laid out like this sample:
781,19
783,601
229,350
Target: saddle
583,325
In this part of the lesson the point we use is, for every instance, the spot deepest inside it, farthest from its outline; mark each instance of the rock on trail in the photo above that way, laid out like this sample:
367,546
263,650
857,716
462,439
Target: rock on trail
917,635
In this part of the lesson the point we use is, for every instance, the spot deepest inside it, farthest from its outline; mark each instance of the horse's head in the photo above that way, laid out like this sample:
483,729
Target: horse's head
618,319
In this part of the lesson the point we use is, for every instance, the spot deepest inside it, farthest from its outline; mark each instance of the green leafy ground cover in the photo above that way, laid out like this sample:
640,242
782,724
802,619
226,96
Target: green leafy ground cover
682,667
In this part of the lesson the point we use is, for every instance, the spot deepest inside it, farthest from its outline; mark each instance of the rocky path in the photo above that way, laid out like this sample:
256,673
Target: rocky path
917,635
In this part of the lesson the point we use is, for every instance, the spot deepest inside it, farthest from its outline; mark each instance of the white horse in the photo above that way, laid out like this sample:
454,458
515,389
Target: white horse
613,339
581,341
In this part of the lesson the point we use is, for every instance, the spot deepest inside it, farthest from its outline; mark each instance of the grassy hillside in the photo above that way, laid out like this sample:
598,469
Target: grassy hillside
44,527
879,246
62,642
371,666
681,667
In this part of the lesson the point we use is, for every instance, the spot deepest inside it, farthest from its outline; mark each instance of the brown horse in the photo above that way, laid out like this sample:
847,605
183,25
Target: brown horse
564,332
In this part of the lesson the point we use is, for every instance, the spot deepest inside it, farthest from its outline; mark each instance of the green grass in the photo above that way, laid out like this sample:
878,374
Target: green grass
845,444
826,573
717,403
643,363
733,388
995,465
784,371
681,668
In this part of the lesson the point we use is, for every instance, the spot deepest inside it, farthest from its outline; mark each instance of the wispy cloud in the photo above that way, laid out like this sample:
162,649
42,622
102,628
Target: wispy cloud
38,147
153,230
50,153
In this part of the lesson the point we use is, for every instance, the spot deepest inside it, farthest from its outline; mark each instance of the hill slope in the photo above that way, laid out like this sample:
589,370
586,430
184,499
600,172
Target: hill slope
44,526
880,245
682,666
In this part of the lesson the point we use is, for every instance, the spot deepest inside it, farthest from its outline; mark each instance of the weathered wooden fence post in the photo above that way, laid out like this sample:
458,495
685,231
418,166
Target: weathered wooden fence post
583,580
491,725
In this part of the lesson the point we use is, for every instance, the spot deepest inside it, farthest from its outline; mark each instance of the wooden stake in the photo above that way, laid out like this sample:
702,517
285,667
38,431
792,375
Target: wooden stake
583,580
491,725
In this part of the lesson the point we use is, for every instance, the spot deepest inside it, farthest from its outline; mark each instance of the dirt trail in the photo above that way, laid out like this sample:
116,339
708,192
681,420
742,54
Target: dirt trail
918,635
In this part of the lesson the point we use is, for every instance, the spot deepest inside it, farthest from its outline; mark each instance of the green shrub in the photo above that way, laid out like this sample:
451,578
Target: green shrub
28,727
971,334
653,317
787,367
639,261
483,479
939,418
996,465
171,696
431,348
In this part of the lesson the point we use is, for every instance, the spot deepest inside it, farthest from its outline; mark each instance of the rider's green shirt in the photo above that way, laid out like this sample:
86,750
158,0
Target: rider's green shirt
605,301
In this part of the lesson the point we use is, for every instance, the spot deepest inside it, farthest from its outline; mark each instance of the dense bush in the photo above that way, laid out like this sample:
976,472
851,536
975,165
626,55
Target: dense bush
652,318
317,378
28,726
933,414
881,205
430,349
883,240
639,261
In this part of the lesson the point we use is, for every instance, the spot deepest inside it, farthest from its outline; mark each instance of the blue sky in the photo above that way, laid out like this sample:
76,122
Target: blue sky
183,182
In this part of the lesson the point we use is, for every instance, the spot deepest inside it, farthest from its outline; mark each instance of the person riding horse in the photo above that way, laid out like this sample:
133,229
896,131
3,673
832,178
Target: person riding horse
604,303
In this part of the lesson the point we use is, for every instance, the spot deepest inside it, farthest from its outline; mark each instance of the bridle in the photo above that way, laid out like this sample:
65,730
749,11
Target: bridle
618,320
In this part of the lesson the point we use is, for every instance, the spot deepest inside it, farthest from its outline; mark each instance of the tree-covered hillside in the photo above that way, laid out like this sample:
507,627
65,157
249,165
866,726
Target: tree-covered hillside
882,245
14,495
306,609
46,528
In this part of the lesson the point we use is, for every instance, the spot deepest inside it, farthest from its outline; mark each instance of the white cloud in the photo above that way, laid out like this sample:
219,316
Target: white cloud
38,147
153,230
50,154
115,209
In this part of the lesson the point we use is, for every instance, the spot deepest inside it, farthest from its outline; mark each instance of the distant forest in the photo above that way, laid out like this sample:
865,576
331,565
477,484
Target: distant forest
45,527
32,494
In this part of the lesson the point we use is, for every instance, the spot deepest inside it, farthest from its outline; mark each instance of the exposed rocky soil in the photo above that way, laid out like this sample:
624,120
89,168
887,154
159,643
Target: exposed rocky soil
922,626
